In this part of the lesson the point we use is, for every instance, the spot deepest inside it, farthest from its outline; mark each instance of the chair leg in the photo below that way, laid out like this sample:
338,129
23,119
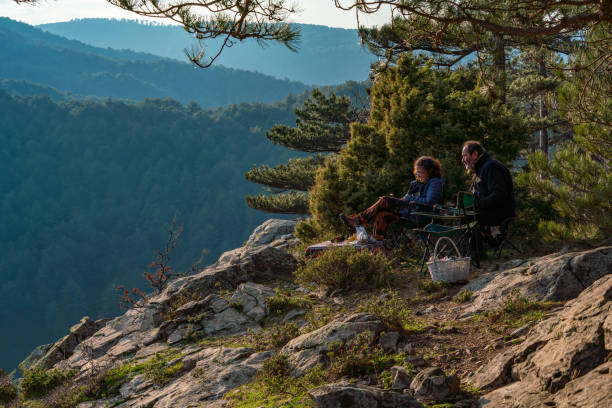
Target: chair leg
514,247
425,254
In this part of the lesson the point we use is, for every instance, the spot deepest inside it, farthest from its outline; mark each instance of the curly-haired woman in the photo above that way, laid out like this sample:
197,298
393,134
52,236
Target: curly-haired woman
427,189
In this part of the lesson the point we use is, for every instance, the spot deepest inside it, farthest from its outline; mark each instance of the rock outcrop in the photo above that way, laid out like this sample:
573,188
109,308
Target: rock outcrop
560,277
309,349
347,395
562,362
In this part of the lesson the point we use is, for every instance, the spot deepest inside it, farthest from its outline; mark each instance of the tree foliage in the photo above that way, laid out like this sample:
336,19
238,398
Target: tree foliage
322,126
291,202
416,110
297,174
452,31
577,180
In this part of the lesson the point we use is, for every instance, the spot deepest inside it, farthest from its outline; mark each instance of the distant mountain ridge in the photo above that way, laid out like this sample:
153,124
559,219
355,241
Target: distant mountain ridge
30,54
327,55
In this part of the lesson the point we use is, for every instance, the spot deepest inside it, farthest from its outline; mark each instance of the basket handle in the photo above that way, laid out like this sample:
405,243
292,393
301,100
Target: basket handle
435,253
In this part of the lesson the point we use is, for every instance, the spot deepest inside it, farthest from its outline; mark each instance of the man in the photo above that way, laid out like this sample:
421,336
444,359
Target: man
491,184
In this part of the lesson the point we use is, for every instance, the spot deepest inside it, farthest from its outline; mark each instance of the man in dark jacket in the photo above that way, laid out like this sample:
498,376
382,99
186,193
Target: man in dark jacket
491,184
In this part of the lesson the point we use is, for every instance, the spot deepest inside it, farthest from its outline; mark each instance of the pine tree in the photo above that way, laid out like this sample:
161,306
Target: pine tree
486,31
415,110
322,127
533,87
577,179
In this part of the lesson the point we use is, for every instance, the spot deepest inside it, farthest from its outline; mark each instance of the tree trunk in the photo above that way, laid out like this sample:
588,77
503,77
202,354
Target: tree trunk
543,108
499,62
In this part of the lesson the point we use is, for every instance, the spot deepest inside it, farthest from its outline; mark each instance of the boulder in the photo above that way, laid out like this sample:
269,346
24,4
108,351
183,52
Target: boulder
252,297
401,378
36,354
274,232
347,395
309,349
591,390
433,384
557,277
388,341
255,264
563,359
63,348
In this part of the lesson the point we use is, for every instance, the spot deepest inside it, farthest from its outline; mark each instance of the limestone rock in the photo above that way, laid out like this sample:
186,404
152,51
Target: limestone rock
229,321
36,354
591,390
388,341
562,361
307,350
134,386
252,297
233,268
63,348
216,371
517,395
401,378
553,277
433,384
275,232
347,395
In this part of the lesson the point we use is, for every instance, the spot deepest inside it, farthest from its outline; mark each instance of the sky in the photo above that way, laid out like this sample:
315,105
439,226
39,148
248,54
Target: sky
321,12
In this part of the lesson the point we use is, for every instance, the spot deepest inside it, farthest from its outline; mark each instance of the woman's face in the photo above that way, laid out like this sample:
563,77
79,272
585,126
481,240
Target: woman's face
421,174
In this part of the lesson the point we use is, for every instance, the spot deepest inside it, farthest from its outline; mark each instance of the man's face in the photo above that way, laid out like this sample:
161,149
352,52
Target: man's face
468,159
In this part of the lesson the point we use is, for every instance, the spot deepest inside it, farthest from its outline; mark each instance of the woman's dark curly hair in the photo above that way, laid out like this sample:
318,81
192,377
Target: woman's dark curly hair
432,166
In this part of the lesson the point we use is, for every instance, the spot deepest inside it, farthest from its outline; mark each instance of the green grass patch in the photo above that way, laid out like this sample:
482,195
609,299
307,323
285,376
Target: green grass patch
463,296
393,310
320,315
346,268
275,387
161,369
38,382
236,305
517,311
275,336
284,302
432,289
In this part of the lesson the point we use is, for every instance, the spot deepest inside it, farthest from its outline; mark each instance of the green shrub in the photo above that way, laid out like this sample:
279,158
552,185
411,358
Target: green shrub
7,390
281,303
359,358
346,268
276,336
37,382
517,311
432,287
392,309
463,296
236,305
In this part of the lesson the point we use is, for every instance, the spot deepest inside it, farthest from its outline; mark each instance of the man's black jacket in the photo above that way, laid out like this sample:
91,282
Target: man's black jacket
494,191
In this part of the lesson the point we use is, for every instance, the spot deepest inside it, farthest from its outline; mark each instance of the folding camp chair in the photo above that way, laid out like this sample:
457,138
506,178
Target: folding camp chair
463,231
503,239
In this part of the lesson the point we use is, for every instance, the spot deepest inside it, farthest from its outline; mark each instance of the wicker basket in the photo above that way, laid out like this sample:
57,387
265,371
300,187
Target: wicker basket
448,270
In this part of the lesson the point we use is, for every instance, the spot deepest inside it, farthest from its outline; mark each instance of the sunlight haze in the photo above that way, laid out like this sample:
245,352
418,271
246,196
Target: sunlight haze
320,12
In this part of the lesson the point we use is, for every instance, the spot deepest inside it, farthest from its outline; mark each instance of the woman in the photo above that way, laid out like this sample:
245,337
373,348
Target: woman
427,189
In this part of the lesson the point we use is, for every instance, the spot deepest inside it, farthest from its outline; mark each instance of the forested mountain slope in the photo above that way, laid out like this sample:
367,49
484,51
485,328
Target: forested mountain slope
88,189
32,55
326,55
